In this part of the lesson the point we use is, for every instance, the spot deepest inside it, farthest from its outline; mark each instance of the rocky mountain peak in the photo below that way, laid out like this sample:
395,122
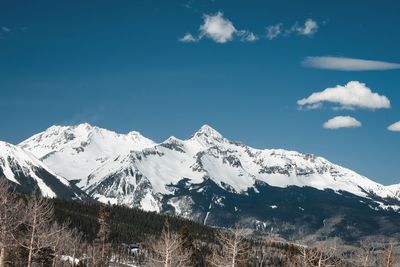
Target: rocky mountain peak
207,132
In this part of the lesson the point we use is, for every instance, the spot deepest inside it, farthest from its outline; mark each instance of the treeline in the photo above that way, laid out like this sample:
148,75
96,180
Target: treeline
128,225
35,231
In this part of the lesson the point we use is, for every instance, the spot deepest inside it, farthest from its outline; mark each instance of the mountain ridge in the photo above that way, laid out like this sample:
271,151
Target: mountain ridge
212,180
273,161
82,148
30,175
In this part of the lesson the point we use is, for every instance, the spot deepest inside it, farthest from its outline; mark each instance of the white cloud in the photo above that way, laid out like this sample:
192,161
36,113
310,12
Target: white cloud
246,36
350,96
342,122
274,31
309,28
395,127
218,28
348,64
188,38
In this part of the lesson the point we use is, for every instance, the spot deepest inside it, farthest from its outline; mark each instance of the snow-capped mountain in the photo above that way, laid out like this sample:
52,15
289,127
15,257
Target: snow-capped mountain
233,166
75,151
211,180
29,174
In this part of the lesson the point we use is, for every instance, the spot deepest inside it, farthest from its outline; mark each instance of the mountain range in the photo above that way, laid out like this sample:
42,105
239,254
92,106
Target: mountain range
206,178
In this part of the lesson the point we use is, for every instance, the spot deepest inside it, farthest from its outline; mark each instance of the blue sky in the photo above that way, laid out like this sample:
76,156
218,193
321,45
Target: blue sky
121,65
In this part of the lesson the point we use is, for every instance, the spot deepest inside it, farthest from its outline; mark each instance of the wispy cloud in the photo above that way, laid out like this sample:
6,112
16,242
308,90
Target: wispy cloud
308,28
219,29
8,31
274,31
188,4
348,64
246,36
222,30
395,127
188,38
5,29
342,122
350,96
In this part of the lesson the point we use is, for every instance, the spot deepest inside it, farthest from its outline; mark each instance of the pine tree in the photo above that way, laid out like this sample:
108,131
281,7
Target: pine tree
102,240
186,237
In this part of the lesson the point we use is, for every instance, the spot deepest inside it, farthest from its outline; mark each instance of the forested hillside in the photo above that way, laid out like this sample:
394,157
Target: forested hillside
36,231
126,224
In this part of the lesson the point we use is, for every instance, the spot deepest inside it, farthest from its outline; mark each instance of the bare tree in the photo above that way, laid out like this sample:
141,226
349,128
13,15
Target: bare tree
366,254
388,259
233,251
169,251
304,257
38,218
321,254
92,256
63,242
74,245
10,219
325,254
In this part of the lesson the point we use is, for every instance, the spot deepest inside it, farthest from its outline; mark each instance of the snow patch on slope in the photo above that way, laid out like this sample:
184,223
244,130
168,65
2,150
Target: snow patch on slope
14,160
395,189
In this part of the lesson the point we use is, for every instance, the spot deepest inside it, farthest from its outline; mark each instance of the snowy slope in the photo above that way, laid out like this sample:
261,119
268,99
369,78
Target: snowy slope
75,151
28,173
395,189
233,166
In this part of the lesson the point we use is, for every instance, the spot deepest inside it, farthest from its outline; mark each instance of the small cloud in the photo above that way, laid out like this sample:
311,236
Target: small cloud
188,38
217,28
395,127
309,28
220,29
347,64
342,122
274,31
311,106
188,4
350,96
246,36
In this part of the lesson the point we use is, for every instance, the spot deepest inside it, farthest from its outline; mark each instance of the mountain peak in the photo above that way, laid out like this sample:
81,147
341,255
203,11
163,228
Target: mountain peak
142,141
81,143
209,132
85,126
135,134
